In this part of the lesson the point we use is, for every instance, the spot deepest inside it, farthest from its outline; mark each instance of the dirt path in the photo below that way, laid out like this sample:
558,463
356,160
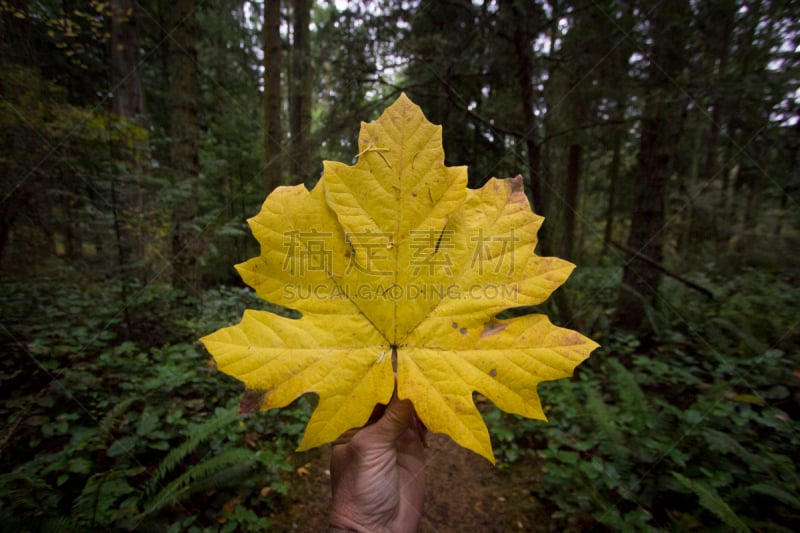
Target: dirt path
464,493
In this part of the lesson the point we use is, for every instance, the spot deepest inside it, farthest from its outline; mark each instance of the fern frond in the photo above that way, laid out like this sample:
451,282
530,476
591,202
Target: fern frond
712,501
630,394
24,492
182,485
97,503
609,434
60,524
197,436
777,493
224,478
107,423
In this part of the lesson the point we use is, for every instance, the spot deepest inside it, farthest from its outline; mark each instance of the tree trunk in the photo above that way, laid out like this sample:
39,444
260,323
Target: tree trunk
571,198
128,94
720,53
300,98
127,103
619,87
661,124
613,179
273,133
15,48
184,132
685,240
794,174
522,40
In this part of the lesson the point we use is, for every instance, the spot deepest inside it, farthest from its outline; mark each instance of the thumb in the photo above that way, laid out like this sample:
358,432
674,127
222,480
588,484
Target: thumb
394,422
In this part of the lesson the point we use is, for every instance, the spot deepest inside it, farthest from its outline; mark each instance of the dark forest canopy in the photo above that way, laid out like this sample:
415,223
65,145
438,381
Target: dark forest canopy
128,123
687,111
659,139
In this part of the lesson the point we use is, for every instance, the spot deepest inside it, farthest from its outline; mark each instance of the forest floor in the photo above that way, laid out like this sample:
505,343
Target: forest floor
464,492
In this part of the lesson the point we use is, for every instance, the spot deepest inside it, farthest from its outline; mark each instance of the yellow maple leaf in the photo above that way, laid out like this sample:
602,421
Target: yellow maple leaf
399,271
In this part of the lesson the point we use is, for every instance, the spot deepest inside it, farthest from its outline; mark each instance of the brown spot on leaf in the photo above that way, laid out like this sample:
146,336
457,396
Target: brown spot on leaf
463,331
492,328
493,372
517,186
572,339
251,401
454,325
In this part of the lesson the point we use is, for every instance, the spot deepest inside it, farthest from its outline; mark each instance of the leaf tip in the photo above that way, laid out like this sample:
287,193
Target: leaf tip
404,99
517,184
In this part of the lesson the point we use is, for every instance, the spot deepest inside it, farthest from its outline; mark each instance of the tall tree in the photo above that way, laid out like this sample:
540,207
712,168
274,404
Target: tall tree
273,132
571,190
523,18
661,125
300,92
14,49
613,172
184,133
127,103
128,94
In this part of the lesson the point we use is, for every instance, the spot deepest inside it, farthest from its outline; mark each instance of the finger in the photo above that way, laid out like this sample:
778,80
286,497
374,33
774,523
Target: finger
346,437
376,415
395,420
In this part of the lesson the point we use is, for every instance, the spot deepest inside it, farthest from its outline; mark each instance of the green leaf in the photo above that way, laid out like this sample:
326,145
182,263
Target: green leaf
147,423
121,446
711,501
179,487
98,501
80,465
197,435
777,493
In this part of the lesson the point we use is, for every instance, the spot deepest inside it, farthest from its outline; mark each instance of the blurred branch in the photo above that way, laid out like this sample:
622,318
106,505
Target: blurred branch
458,102
662,268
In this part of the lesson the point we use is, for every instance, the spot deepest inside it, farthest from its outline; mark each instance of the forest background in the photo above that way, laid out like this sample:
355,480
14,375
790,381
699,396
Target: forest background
658,138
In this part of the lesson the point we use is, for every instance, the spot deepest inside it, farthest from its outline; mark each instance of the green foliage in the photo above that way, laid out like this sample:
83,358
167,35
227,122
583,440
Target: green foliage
206,473
177,455
700,431
107,433
711,501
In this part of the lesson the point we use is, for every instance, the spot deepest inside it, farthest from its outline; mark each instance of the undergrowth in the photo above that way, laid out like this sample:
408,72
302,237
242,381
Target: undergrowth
107,430
698,432
105,427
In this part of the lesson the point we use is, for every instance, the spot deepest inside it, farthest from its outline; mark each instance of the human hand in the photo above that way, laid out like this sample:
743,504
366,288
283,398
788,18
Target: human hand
378,474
